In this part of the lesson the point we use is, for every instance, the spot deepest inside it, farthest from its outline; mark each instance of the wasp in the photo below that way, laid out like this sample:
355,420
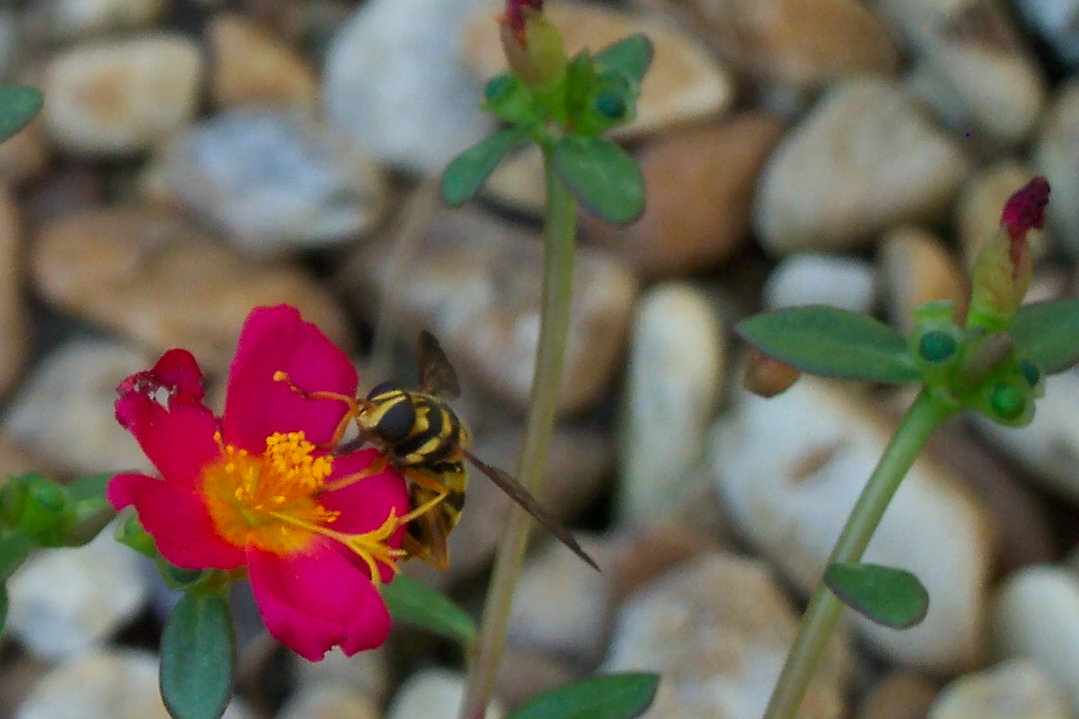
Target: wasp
423,438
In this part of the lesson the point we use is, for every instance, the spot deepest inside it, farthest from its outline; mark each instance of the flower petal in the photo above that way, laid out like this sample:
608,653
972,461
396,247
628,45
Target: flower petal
177,520
316,600
276,339
178,440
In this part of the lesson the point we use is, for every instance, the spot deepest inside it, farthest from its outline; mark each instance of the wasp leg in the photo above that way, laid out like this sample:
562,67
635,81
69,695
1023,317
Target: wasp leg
378,466
342,426
427,506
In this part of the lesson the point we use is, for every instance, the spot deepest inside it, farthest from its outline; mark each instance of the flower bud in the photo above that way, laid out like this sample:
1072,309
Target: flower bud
533,46
766,376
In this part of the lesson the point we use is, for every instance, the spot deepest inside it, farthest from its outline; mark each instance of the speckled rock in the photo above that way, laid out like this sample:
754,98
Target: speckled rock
272,181
14,329
391,70
700,192
62,411
718,630
675,370
475,282
683,84
833,182
1036,615
64,601
789,470
917,268
813,278
114,98
251,66
1016,689
433,694
154,277
1057,142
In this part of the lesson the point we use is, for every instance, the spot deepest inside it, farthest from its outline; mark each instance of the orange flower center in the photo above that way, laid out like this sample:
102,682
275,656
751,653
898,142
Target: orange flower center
270,501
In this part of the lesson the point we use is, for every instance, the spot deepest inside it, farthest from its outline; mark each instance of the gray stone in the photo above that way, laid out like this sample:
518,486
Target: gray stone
1016,689
433,694
810,278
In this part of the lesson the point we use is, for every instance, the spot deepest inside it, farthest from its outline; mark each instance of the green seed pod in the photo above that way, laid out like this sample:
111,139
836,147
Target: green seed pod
936,346
1030,372
1007,402
611,105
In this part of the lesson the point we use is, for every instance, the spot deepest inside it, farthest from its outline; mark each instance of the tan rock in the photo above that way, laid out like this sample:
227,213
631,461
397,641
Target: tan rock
114,98
434,694
23,156
1016,689
899,695
918,268
977,212
154,277
14,329
863,159
523,675
365,674
1058,142
519,182
251,66
683,84
329,702
699,188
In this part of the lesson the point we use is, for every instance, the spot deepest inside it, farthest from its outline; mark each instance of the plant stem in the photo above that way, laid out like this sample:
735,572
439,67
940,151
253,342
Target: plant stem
923,417
559,235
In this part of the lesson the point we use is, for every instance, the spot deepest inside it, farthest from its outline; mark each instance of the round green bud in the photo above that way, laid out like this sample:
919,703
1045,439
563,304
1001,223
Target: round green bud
936,346
1030,372
1007,401
611,105
497,88
48,496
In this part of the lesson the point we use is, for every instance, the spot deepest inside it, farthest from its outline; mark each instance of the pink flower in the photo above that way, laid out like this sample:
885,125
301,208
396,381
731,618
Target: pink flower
257,490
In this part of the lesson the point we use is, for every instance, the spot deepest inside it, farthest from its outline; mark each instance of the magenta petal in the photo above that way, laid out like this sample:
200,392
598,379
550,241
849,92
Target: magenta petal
179,442
177,520
276,339
314,601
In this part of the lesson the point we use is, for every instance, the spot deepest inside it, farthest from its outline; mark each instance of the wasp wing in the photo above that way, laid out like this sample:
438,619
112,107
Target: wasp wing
437,376
530,504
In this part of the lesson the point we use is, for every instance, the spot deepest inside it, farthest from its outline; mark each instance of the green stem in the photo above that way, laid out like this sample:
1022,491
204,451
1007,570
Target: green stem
923,417
559,234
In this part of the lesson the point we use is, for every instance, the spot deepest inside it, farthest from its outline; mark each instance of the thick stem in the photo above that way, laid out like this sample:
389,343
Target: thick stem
559,240
924,416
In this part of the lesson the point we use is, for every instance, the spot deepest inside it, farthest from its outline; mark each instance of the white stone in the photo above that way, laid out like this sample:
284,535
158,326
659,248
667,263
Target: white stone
434,694
274,181
366,673
789,470
73,18
676,367
1016,689
329,702
810,278
118,97
394,83
1036,614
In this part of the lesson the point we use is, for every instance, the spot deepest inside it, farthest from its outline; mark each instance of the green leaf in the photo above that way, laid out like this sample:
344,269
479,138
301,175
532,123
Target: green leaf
198,657
601,175
886,595
18,106
413,602
832,342
611,696
467,172
632,56
15,547
1047,333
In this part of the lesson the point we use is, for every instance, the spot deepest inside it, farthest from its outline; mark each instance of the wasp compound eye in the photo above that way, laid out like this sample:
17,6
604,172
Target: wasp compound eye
381,389
936,346
397,422
611,105
1007,402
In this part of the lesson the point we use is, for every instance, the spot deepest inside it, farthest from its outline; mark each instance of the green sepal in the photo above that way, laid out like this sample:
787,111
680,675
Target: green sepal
91,511
413,602
15,547
198,657
601,175
132,535
832,342
631,56
18,106
1047,333
467,172
885,595
610,696
509,99
47,514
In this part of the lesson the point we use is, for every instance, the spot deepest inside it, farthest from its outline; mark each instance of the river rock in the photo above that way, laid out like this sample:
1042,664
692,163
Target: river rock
272,181
718,630
834,183
683,83
779,46
105,684
113,98
1016,689
475,282
675,370
153,276
700,190
329,702
392,70
519,182
789,470
54,20
525,674
814,278
977,212
63,601
899,695
23,156
434,694
1057,22
1036,614
252,66
1056,143
917,268
15,348
62,411
366,674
